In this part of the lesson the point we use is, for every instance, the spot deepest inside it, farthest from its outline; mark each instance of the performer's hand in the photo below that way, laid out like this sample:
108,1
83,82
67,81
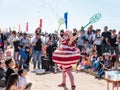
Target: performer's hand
79,33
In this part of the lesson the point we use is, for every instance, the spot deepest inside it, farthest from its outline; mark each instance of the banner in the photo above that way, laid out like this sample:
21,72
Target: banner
26,26
41,24
66,19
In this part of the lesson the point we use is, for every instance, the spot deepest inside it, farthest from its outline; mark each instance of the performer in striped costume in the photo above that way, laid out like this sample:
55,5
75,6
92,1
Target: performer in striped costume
67,55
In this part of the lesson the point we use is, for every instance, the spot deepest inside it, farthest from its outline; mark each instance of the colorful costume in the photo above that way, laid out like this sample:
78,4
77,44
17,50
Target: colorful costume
66,55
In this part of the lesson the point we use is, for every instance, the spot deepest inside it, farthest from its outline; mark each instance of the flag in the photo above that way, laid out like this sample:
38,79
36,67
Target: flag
66,19
26,26
41,24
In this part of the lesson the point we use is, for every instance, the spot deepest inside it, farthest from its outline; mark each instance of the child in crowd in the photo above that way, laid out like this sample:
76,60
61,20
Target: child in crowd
49,53
105,65
2,74
83,64
113,60
10,65
27,51
22,82
83,52
23,57
87,47
95,62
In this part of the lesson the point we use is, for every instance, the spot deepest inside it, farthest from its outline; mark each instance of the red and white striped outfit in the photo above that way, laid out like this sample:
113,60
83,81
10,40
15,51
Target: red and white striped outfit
66,55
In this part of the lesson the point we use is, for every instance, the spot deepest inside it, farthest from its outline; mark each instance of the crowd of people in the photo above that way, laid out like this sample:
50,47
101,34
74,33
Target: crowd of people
98,51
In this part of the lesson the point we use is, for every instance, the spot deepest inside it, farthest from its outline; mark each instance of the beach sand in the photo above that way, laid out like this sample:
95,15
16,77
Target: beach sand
50,81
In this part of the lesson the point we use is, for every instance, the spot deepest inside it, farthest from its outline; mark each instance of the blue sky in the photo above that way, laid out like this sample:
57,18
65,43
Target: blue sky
15,12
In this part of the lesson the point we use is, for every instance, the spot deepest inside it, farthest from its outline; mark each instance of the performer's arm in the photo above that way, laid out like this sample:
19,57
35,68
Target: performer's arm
73,38
60,38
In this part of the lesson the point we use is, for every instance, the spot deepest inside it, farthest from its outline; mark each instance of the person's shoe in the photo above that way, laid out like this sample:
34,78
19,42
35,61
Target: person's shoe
96,76
99,78
62,85
55,72
73,87
76,71
34,70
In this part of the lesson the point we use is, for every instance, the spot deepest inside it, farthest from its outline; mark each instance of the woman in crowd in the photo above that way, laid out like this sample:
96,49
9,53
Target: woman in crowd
16,42
114,46
12,82
89,35
97,40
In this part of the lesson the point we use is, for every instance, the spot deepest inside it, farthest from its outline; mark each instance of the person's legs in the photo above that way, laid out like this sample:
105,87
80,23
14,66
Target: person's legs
71,77
63,80
103,48
107,48
16,56
64,77
24,64
100,72
34,59
117,57
117,53
111,49
39,54
27,62
99,49
119,47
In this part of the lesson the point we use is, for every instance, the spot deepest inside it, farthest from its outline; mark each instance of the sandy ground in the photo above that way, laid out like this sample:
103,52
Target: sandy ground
50,81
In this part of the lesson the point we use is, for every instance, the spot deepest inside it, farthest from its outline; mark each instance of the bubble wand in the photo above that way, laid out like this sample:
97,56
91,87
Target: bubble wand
92,20
61,21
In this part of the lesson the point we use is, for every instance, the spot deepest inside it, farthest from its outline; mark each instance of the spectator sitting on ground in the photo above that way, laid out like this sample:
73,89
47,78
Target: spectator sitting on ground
87,47
10,65
12,82
22,80
113,60
2,74
106,65
83,64
83,52
95,62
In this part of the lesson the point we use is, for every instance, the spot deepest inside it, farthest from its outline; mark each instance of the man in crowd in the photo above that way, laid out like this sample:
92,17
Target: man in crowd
105,44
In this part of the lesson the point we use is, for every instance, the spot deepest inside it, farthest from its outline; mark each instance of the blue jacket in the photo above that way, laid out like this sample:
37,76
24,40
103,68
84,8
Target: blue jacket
23,54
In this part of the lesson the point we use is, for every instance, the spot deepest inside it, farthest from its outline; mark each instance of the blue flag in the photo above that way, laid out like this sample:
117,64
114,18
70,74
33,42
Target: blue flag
66,19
